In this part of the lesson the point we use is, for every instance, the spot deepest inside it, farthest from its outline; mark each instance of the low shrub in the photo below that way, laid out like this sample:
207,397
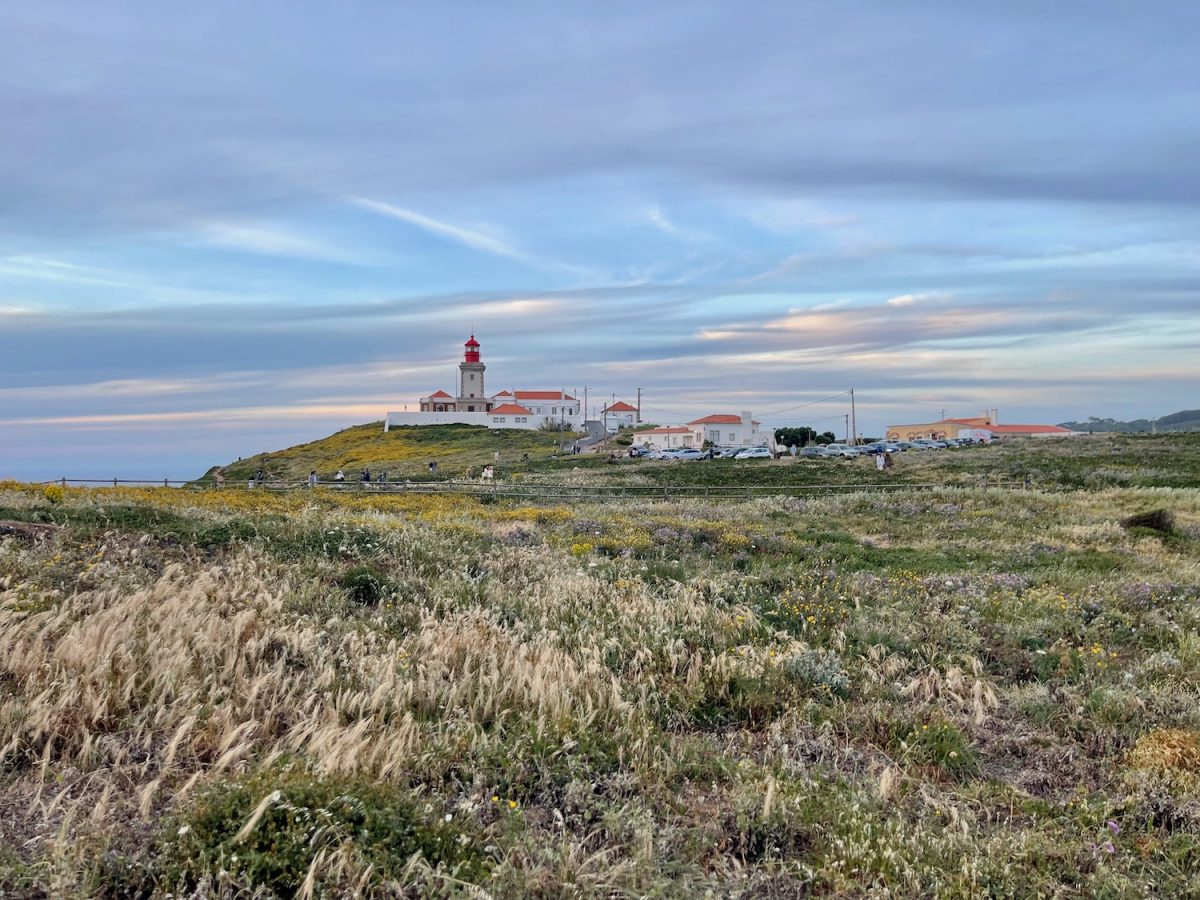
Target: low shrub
266,830
1160,520
1167,748
366,585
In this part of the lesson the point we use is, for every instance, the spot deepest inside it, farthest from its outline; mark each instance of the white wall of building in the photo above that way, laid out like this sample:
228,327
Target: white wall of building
737,434
672,441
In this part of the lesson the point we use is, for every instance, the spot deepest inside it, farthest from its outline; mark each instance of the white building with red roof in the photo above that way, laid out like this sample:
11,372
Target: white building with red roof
473,405
620,415
728,430
716,430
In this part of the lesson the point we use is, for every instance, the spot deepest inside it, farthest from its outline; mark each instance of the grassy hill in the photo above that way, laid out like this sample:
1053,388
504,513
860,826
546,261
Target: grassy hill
402,452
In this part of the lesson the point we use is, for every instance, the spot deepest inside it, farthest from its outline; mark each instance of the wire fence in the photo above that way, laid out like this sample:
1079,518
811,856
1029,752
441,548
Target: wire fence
556,490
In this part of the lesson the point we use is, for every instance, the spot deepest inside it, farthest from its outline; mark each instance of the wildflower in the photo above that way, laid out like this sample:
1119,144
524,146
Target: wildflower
495,799
1114,827
512,804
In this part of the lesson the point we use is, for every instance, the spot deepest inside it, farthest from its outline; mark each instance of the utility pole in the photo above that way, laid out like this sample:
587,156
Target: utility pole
846,416
853,421
942,413
639,410
562,414
585,409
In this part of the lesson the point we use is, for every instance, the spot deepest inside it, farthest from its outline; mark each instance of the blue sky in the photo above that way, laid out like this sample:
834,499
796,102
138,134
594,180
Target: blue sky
226,228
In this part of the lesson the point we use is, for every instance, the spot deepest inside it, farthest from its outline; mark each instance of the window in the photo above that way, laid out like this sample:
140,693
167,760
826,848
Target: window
471,408
732,437
495,419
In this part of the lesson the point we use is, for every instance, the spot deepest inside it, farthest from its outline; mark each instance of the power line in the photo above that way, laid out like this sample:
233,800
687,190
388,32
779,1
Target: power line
810,403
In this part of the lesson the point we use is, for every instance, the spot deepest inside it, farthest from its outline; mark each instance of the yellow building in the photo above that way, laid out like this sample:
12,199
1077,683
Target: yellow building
952,428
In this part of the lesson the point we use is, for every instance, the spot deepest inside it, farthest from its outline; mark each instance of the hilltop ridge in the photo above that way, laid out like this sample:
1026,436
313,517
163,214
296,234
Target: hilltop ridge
1184,420
401,452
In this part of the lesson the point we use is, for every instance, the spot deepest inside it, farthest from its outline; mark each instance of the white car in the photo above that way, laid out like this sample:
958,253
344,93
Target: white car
841,450
754,453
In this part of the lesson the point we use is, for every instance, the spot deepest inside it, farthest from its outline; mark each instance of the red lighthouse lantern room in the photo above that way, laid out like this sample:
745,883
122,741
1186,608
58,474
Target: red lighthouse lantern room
472,350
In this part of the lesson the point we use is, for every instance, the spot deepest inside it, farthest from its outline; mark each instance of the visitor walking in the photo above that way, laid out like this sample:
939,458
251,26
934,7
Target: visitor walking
880,462
312,478
366,475
888,461
340,476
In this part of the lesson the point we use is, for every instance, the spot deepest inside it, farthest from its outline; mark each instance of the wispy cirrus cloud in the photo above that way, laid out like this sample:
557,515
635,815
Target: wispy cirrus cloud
474,238
272,240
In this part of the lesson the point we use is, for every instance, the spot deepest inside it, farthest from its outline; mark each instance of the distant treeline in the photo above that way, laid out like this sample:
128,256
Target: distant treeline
1184,420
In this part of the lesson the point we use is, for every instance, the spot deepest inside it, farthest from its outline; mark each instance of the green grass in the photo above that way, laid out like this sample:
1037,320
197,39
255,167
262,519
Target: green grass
948,692
401,452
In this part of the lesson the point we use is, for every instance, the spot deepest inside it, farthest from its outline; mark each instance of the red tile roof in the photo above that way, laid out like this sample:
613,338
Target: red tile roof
504,394
510,409
543,395
719,419
621,406
441,394
1026,429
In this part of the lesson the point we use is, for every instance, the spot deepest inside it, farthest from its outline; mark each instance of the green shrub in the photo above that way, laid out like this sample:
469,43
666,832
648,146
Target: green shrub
939,742
1159,520
370,823
366,585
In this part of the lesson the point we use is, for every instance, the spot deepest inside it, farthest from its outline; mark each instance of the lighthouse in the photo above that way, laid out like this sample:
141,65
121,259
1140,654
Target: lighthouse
471,395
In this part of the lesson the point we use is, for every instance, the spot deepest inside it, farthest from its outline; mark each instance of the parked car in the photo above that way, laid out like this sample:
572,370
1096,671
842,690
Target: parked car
841,450
754,453
725,452
693,453
813,452
901,446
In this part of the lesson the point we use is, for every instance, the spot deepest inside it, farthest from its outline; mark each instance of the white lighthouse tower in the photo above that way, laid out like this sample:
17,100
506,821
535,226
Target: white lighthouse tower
471,395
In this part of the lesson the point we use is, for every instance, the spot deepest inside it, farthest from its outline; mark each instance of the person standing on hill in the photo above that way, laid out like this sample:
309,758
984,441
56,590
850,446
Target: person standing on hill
888,462
366,475
880,462
312,478
340,476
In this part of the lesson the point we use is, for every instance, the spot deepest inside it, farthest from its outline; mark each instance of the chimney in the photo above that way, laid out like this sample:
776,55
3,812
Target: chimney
747,423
